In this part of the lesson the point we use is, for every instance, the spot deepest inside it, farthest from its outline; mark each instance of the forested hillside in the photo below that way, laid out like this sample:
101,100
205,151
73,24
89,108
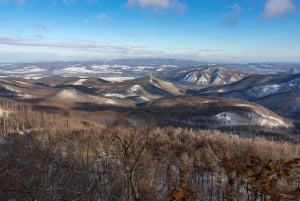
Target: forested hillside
66,157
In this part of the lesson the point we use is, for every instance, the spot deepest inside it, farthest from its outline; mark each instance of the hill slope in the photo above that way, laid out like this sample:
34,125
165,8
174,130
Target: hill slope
269,90
208,76
219,111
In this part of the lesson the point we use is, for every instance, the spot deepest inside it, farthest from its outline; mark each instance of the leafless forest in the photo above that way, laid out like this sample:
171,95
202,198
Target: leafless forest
51,156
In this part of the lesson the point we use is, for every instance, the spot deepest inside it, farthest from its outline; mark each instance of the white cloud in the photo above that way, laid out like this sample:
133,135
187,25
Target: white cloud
274,8
25,49
158,4
233,16
150,3
102,16
82,48
18,49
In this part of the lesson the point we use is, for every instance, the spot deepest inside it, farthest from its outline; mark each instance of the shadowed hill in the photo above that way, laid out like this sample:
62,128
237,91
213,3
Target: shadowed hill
272,91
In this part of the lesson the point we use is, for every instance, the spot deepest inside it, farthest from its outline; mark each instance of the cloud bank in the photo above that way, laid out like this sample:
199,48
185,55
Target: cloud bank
275,8
34,49
158,4
82,48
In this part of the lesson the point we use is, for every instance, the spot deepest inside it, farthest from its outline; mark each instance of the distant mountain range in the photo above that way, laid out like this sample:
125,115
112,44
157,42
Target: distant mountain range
136,68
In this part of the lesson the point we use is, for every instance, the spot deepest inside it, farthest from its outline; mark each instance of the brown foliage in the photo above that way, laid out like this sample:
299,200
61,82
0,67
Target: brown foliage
263,177
64,157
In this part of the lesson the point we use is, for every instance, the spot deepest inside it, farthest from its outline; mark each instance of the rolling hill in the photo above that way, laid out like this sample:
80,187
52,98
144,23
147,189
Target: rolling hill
210,76
152,98
279,93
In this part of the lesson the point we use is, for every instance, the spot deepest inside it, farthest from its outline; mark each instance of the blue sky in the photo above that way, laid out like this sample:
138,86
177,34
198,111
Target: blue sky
206,30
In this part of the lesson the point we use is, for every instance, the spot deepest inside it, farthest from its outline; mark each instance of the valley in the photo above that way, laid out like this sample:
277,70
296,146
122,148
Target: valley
149,100
186,127
250,101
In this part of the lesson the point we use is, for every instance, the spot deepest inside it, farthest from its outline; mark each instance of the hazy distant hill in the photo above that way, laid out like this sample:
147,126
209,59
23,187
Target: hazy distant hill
209,76
277,92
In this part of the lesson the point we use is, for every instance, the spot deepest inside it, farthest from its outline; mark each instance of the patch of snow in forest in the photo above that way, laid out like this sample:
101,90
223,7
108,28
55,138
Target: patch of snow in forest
4,113
228,118
2,141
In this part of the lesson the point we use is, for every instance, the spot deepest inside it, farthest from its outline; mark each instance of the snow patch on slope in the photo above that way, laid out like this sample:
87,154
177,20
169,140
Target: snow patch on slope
10,88
261,91
141,99
79,82
135,90
115,95
68,94
252,118
71,95
135,93
117,79
73,70
23,83
272,121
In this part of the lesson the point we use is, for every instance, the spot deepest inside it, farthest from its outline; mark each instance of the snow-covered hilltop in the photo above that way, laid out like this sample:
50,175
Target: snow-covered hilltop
208,76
